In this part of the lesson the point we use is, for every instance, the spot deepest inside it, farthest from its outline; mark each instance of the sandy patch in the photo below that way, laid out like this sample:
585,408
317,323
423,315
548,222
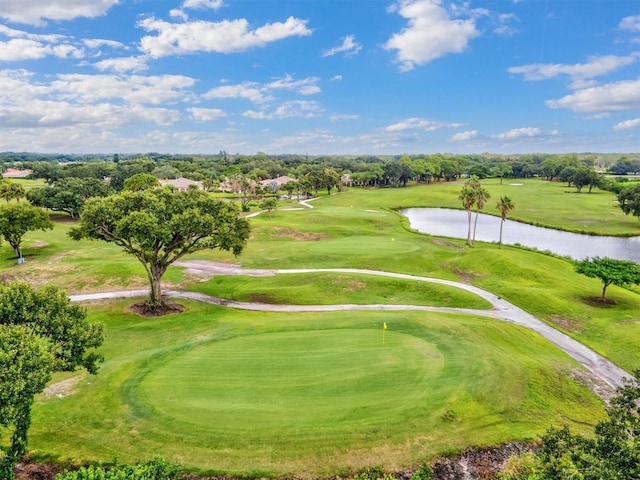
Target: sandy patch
63,388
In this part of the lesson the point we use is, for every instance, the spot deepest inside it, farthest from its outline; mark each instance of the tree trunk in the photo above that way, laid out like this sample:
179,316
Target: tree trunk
469,228
604,290
501,225
475,224
155,273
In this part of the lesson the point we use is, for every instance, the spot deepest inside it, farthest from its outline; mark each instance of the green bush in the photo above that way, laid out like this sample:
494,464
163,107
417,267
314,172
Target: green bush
152,470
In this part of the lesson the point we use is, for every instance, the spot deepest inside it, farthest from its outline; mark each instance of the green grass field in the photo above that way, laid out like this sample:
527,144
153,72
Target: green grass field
307,394
265,393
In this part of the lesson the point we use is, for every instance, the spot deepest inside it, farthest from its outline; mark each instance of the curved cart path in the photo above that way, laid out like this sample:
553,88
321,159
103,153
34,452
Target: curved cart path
606,375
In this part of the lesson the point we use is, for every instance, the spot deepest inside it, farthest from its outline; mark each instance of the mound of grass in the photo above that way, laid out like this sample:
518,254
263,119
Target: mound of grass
307,394
335,288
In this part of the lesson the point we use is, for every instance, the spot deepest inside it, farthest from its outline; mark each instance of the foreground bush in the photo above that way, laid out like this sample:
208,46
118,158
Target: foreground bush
151,470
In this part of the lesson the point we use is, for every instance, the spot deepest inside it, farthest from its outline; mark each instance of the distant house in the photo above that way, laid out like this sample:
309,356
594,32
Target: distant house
182,184
279,180
235,185
13,173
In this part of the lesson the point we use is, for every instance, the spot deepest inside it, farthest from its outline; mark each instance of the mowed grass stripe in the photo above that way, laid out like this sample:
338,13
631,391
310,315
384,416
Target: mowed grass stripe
340,377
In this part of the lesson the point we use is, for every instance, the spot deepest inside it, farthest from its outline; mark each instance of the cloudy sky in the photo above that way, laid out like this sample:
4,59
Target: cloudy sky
320,76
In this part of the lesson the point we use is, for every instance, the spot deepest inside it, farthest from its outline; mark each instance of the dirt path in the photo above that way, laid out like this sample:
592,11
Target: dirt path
605,375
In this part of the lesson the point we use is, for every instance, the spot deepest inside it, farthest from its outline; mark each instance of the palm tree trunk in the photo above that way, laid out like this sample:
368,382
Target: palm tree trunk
501,225
475,224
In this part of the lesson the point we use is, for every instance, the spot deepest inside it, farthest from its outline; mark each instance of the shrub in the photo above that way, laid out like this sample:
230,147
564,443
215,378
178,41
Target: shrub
152,470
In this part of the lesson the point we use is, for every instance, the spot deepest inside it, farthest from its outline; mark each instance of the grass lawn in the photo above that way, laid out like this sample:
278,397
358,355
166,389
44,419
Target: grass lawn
305,289
441,382
307,394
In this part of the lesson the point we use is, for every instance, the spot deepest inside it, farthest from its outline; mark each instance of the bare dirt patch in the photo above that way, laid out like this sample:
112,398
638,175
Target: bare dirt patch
290,233
598,301
566,324
629,321
37,471
63,388
445,243
466,276
349,284
143,310
599,387
263,298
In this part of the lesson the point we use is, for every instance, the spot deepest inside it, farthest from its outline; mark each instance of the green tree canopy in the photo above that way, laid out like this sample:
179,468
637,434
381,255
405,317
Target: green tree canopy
629,200
612,453
40,332
610,271
141,181
504,205
69,194
160,226
18,219
11,191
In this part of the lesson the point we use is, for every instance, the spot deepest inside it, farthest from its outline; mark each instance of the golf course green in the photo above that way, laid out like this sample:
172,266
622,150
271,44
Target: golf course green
318,394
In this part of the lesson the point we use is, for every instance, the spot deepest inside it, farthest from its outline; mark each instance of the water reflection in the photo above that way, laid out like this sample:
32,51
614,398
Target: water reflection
453,223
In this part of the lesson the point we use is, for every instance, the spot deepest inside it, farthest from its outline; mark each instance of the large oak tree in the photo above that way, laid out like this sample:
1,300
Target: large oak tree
18,219
160,226
41,332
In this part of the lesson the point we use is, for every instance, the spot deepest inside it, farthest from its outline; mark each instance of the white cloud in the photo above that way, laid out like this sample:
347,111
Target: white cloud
28,46
516,133
227,36
123,64
464,136
630,23
336,78
196,4
35,12
259,94
349,47
206,114
179,14
611,97
337,118
99,42
22,49
628,124
294,108
596,66
84,102
306,86
137,89
431,33
416,123
247,90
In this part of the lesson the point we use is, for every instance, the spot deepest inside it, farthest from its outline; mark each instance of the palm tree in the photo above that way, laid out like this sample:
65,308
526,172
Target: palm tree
467,195
481,197
505,205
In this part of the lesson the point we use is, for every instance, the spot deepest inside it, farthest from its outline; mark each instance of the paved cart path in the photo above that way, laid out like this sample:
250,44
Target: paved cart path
606,376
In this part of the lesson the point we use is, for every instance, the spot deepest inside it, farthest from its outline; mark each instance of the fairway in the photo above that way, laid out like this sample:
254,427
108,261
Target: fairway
288,382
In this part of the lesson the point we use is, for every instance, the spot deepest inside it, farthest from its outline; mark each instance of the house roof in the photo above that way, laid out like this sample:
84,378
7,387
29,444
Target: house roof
13,173
180,183
279,180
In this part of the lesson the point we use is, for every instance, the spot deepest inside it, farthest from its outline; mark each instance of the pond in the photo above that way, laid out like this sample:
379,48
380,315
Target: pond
453,223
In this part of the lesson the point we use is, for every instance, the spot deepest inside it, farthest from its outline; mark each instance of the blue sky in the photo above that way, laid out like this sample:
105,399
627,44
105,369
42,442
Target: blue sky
320,76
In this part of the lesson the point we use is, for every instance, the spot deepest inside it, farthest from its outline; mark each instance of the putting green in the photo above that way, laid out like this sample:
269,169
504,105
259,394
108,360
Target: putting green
290,381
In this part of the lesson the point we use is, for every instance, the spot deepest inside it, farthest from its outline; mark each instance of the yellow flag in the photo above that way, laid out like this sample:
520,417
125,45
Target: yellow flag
384,325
